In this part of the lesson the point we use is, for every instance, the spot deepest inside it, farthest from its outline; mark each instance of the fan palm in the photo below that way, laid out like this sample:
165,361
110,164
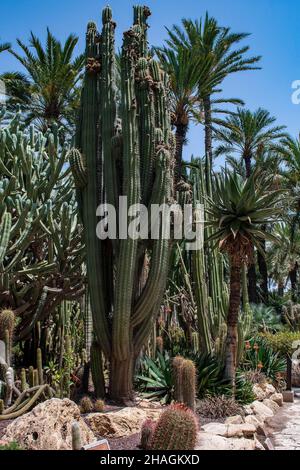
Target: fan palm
216,46
48,91
248,134
238,211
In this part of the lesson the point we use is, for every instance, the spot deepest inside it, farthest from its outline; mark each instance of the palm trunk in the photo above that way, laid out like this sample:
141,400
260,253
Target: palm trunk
208,128
263,269
293,274
252,279
247,159
232,323
180,136
280,289
252,287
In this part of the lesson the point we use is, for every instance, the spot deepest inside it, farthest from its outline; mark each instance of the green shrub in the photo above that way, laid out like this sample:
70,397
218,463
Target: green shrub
11,446
260,357
281,342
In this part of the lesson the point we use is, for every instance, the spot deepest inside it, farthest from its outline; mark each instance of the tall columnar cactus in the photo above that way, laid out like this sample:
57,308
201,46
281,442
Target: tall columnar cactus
97,369
177,377
124,147
208,273
39,364
176,429
41,249
188,380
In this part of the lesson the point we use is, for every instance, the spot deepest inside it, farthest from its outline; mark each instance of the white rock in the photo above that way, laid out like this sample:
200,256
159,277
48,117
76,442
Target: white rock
248,410
278,398
269,389
259,393
258,444
122,422
271,404
48,427
207,441
230,430
234,420
261,410
251,419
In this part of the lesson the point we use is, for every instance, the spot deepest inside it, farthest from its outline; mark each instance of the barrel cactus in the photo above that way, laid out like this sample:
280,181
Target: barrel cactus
176,429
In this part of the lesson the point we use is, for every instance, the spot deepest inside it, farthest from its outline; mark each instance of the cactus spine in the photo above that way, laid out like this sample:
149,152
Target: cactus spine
129,153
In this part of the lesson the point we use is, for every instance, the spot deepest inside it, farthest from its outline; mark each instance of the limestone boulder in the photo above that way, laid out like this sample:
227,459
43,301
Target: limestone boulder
230,430
261,410
208,441
259,393
234,420
48,427
121,423
263,390
271,404
277,398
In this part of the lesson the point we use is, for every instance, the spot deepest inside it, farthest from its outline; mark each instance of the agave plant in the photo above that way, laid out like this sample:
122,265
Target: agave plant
155,380
238,212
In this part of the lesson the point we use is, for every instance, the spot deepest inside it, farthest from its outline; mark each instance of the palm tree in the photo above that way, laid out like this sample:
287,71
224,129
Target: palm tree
289,150
4,47
184,70
237,212
216,47
248,134
48,91
284,258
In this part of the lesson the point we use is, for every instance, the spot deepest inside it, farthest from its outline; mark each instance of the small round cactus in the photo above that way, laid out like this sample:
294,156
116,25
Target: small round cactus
86,405
99,406
7,322
146,433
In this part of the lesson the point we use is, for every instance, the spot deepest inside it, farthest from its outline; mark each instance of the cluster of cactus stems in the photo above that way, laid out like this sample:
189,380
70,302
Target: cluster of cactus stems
184,375
20,398
124,147
176,429
211,290
41,249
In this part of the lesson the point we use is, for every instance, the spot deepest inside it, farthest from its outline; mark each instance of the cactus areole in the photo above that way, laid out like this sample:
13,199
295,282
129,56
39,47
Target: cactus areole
124,147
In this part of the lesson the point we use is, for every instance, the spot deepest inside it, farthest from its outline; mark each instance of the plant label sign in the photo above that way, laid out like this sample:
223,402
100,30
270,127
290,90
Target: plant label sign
97,445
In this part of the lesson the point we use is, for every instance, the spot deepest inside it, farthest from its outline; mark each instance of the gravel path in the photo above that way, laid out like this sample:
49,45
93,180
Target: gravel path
285,427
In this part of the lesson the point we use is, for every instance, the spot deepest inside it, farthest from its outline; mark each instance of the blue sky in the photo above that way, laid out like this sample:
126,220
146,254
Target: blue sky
273,24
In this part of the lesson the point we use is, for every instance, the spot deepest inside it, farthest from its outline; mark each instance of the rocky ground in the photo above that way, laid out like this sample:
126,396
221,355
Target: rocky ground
259,425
